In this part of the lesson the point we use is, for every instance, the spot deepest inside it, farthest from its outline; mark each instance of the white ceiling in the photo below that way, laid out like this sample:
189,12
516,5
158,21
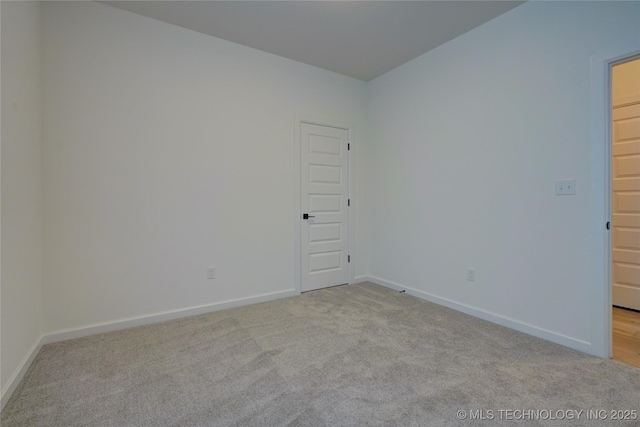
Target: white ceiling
361,39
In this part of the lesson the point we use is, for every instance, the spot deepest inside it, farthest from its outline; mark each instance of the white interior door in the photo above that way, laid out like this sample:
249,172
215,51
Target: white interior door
324,198
626,207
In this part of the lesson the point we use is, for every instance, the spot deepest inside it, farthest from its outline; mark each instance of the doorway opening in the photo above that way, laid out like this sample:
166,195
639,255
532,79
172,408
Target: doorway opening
625,209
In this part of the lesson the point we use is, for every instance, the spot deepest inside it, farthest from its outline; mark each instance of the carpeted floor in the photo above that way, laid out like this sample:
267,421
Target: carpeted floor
351,355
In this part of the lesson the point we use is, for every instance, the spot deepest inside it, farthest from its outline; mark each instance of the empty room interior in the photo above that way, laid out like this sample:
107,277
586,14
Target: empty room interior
267,213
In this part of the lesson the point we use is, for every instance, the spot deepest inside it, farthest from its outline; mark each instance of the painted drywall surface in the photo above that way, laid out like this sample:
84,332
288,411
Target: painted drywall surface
167,151
626,82
464,145
21,184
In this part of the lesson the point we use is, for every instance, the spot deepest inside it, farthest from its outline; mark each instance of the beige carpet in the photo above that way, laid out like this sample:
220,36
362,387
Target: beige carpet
351,355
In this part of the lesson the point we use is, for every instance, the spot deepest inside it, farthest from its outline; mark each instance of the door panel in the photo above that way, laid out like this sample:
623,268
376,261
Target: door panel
319,233
324,194
625,236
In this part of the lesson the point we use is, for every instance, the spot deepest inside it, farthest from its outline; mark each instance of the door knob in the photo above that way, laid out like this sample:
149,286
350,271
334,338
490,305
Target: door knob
307,216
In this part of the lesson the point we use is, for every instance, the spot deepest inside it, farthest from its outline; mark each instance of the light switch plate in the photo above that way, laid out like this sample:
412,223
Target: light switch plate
565,187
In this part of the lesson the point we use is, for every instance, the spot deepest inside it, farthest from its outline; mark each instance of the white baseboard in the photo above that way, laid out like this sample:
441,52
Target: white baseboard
66,334
18,374
360,279
490,316
85,331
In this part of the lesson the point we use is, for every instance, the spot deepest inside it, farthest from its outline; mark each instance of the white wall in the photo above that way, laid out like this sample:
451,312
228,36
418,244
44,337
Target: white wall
21,177
168,151
465,143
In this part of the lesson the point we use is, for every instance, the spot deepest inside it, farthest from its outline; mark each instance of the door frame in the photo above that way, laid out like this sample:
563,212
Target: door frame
297,212
601,209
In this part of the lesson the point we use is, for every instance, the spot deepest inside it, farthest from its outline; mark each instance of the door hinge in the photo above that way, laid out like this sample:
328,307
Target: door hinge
348,202
348,147
348,258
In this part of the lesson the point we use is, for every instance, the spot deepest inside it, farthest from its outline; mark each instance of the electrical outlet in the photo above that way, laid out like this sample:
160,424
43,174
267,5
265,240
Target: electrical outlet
471,274
211,272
